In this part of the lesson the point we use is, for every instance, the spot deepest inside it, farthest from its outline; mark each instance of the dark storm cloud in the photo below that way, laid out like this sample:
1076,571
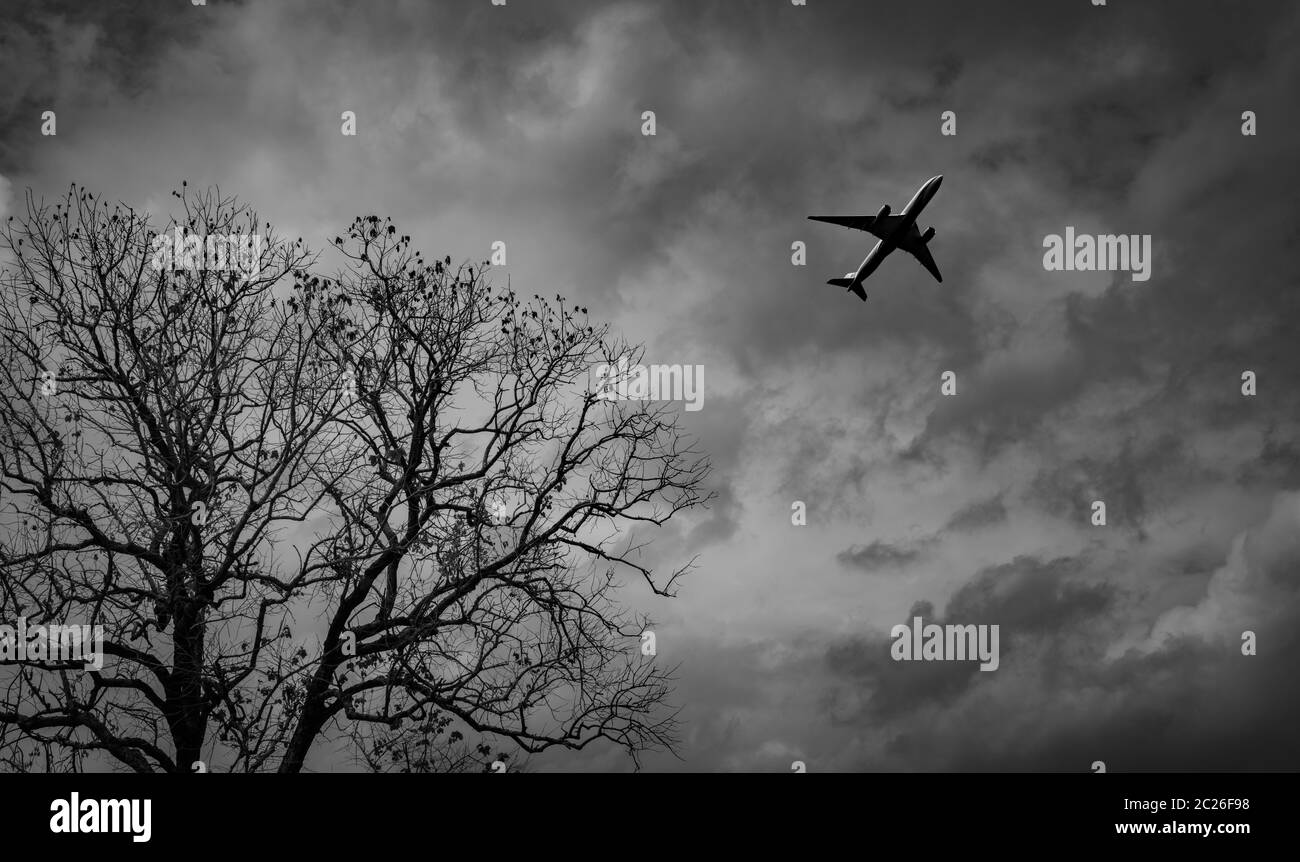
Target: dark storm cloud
1279,461
895,687
982,513
1027,598
55,54
1189,708
1186,699
1069,490
878,554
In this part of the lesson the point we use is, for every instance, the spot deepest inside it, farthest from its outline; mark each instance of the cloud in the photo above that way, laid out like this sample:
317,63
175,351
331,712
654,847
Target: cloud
878,554
1257,587
1026,598
982,513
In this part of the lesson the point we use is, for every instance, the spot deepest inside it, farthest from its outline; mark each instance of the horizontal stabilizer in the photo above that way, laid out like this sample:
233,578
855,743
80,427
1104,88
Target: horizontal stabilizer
856,287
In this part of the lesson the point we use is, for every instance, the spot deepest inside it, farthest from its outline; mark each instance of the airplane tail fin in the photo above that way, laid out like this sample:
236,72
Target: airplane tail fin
840,282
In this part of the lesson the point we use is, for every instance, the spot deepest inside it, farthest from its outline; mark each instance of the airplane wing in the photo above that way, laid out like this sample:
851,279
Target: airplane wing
874,225
913,245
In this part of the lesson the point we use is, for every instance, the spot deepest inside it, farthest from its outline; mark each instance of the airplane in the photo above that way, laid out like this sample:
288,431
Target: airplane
892,231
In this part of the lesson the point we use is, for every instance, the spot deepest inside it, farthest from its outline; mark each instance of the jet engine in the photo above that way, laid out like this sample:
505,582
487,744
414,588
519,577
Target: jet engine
884,211
928,235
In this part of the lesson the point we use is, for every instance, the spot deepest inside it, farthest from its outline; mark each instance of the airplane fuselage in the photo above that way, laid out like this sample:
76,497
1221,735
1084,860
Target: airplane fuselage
886,245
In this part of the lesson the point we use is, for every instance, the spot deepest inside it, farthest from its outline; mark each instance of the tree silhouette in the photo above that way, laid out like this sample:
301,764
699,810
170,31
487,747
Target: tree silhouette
399,462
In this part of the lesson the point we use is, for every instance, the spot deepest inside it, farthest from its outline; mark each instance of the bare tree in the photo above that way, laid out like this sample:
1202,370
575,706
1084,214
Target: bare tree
433,745
400,462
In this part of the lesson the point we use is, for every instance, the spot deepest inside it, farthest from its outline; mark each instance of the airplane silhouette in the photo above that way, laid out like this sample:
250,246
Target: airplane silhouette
892,231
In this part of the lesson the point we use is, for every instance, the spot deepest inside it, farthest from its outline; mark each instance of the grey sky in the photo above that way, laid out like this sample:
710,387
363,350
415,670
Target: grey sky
522,123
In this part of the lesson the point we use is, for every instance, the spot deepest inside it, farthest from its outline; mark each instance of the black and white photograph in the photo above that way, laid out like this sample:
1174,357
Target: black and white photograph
649,386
